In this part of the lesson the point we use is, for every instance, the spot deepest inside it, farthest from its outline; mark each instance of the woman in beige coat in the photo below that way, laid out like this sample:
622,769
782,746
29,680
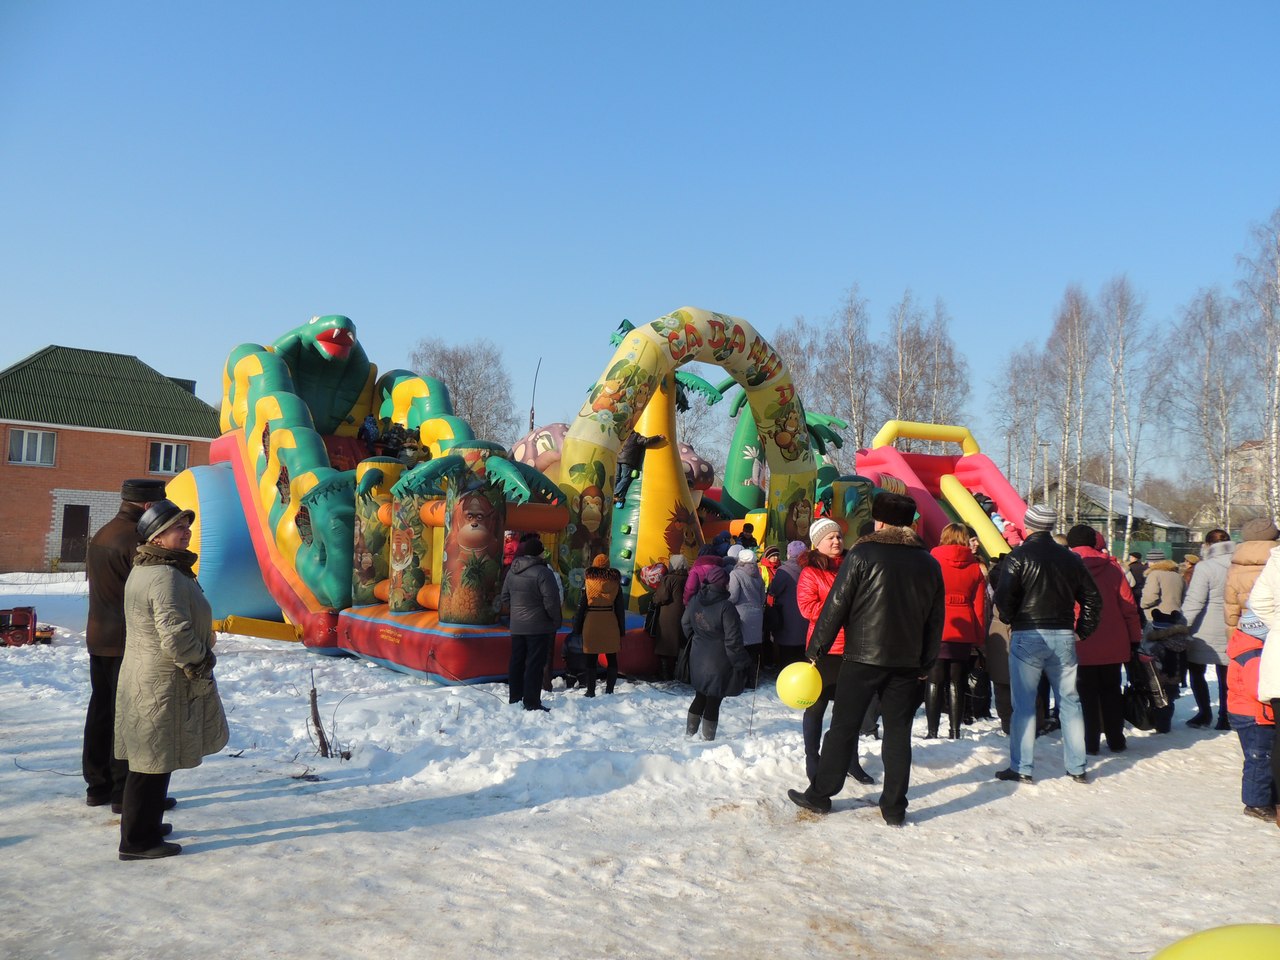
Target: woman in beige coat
1257,540
168,712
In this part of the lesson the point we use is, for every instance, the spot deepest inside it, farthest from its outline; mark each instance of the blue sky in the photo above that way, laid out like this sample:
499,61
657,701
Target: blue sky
181,178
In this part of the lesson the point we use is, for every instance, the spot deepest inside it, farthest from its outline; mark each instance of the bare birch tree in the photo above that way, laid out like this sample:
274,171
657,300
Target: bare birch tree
921,375
1070,354
1019,408
833,367
1205,358
477,380
1260,302
1121,321
849,342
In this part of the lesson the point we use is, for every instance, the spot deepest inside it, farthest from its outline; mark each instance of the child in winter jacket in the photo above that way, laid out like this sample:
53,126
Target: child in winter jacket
1252,719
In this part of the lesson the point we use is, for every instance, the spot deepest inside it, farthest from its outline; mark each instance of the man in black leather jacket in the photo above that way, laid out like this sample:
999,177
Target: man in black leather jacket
1041,586
889,599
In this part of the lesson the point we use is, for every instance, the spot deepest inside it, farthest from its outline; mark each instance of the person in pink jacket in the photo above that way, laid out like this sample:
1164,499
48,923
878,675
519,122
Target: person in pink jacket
1102,652
706,560
963,629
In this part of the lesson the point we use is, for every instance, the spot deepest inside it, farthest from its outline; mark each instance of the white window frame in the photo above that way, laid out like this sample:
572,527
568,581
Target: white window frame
44,439
165,453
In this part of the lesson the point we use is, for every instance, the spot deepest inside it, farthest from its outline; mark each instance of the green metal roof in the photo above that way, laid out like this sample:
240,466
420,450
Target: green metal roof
108,391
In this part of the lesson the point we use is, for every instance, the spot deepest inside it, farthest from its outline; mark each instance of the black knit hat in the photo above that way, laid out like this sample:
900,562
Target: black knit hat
142,491
531,547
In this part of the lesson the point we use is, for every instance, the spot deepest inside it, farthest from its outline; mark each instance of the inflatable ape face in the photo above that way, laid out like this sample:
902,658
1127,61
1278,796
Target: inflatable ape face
591,510
799,516
475,523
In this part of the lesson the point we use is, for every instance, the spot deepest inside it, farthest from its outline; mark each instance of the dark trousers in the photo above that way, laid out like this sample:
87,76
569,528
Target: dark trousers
813,717
1275,748
708,708
524,670
104,775
947,682
1102,702
1200,690
1004,703
143,811
786,654
626,473
899,691
1257,785
610,676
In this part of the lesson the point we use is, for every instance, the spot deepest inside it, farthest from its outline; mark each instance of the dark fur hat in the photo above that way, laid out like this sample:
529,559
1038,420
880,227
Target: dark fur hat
893,509
142,491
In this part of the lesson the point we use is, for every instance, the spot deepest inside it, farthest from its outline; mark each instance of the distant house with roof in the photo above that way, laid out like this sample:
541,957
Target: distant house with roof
77,424
1248,467
1149,523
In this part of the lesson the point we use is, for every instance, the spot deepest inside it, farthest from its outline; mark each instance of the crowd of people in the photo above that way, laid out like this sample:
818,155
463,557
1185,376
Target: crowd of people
1045,631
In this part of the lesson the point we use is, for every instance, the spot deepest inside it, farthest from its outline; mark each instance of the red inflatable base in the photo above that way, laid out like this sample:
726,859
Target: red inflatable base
419,644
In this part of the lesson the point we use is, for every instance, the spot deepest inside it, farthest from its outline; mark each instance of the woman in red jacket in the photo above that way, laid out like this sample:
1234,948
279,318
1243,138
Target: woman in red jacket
1102,652
963,629
818,566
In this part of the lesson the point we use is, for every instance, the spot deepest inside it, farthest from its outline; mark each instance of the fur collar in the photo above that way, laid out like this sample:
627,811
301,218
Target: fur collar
1214,550
1163,565
151,555
602,573
894,536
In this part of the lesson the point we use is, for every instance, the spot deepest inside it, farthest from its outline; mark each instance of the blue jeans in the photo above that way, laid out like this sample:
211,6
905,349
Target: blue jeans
1255,742
1052,652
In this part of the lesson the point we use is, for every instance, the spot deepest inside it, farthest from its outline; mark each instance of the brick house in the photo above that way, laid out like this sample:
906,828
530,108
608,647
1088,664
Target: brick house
77,424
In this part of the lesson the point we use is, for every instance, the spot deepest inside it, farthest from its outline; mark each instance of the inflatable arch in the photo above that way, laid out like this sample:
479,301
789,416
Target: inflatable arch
636,383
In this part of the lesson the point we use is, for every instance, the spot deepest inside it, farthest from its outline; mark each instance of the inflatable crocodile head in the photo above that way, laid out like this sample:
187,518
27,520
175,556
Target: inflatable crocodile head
329,367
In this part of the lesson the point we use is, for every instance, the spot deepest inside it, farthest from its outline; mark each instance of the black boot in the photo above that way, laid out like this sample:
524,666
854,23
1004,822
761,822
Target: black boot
709,729
691,723
932,707
956,708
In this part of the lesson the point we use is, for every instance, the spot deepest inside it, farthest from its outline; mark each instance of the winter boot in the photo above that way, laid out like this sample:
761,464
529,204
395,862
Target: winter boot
709,729
956,708
691,724
932,707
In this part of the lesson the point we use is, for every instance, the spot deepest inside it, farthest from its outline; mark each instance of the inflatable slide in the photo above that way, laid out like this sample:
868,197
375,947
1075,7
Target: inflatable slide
370,516
943,485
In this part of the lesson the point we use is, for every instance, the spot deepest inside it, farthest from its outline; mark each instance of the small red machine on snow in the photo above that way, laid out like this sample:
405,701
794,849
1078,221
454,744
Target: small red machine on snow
19,627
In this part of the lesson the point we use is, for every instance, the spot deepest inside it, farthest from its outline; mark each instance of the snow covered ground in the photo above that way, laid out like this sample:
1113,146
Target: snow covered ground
464,827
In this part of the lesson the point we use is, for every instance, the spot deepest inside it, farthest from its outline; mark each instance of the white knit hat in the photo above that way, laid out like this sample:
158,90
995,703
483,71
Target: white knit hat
821,528
747,556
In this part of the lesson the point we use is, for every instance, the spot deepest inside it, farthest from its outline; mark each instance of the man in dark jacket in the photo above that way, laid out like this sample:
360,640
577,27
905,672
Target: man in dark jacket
630,462
107,565
531,594
889,599
1041,585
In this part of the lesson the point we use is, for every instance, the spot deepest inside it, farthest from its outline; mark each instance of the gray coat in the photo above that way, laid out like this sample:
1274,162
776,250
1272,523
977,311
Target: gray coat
1203,605
531,592
746,592
166,721
792,628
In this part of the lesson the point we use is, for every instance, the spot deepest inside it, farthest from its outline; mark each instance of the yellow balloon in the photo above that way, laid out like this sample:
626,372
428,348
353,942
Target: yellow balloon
1244,941
799,684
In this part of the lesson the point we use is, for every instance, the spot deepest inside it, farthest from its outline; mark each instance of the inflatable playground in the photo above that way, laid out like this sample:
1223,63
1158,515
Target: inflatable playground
353,511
